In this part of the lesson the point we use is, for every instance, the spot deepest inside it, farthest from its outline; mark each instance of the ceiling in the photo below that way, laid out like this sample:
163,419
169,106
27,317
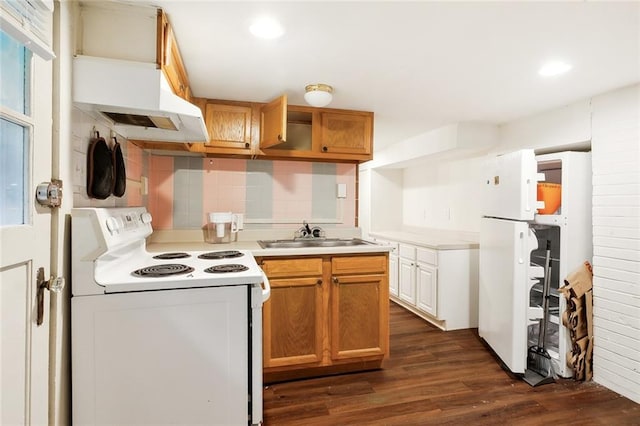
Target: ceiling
417,65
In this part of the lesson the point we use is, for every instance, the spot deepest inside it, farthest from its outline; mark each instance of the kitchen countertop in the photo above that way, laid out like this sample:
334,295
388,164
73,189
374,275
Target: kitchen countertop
258,251
437,239
161,241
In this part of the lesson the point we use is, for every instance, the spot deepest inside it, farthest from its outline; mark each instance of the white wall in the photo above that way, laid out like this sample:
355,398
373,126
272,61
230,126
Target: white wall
446,194
616,241
443,195
560,129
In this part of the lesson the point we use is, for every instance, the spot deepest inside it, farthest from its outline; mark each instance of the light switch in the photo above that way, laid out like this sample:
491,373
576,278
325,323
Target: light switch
342,190
144,185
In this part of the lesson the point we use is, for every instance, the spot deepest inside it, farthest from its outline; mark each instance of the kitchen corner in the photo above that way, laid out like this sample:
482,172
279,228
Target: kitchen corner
434,274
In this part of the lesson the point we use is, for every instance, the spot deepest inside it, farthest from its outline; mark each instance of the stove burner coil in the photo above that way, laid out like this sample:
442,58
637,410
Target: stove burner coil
168,269
220,269
227,254
172,255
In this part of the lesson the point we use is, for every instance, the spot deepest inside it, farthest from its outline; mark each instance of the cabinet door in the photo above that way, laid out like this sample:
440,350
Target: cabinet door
359,316
171,60
407,280
427,288
346,133
273,122
393,276
229,126
292,322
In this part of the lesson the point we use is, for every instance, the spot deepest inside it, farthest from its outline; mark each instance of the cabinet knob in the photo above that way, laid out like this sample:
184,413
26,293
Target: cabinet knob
335,280
279,137
247,144
319,282
325,149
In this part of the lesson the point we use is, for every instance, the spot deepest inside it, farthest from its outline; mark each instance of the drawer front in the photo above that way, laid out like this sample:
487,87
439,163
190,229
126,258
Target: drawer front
344,265
427,256
407,251
301,267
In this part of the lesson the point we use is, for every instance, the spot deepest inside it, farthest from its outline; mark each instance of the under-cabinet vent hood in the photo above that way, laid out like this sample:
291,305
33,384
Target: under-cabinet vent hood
137,99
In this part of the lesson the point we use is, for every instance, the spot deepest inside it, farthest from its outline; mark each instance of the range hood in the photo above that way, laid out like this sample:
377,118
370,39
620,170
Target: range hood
136,98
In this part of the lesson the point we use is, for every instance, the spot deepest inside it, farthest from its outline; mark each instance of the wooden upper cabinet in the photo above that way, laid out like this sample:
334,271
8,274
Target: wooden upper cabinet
231,126
346,133
273,122
169,58
228,125
303,132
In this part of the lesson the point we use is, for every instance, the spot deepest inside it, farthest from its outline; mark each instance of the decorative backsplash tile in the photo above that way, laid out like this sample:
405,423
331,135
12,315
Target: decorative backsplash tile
182,190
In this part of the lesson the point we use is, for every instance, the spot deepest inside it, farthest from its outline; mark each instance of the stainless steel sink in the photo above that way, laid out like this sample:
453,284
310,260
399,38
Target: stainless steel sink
312,242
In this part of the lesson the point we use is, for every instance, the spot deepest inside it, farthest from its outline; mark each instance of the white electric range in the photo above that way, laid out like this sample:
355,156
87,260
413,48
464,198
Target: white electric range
170,338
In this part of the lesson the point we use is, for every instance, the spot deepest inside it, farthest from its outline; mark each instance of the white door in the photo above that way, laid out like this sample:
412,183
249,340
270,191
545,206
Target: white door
407,280
25,233
427,287
510,186
505,282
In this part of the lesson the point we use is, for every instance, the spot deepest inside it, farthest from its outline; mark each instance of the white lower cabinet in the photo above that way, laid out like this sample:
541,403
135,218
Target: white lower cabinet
407,274
427,288
394,289
440,286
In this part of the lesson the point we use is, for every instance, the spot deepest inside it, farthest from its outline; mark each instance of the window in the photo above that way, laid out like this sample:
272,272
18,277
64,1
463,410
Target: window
15,130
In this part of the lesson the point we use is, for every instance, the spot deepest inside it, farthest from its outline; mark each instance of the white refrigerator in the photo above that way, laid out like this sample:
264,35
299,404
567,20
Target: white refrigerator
513,240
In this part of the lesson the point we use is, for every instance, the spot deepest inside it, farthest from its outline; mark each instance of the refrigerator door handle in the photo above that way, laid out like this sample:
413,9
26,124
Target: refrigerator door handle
523,248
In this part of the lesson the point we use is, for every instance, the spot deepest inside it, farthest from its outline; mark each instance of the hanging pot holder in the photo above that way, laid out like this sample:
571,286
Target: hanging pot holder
99,169
120,175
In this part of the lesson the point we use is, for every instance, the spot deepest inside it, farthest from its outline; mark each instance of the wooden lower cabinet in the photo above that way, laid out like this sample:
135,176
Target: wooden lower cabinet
360,317
326,315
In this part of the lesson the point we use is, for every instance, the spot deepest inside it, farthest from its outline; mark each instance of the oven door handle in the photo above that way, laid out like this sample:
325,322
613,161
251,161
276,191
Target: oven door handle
266,291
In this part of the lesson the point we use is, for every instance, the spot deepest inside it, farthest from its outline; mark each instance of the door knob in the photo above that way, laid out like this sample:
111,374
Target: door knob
54,285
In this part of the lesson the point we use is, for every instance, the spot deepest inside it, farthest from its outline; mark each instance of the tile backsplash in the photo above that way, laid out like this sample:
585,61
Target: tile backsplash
182,190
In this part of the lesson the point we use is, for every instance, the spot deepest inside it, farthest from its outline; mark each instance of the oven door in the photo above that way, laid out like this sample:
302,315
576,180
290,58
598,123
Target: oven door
163,357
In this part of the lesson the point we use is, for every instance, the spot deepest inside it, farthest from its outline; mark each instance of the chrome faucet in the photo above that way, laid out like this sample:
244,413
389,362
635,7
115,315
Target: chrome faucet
308,232
306,228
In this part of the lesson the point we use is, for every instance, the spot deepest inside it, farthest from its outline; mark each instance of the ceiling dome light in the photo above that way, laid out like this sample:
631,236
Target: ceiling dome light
318,95
266,27
551,69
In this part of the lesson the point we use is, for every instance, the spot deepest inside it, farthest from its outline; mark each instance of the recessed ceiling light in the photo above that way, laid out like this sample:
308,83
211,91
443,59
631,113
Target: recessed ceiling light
554,68
266,27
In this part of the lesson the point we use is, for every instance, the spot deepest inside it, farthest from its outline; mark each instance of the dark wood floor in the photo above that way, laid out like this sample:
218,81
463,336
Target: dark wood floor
435,377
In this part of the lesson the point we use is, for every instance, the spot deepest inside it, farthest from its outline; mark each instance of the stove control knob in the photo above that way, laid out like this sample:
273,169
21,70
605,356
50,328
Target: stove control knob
145,217
113,224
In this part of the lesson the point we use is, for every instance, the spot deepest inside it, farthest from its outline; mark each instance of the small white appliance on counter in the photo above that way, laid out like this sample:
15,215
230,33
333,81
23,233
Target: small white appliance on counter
512,245
223,227
171,338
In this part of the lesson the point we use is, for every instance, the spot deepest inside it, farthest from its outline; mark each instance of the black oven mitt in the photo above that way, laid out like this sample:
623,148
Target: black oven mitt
99,169
120,176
